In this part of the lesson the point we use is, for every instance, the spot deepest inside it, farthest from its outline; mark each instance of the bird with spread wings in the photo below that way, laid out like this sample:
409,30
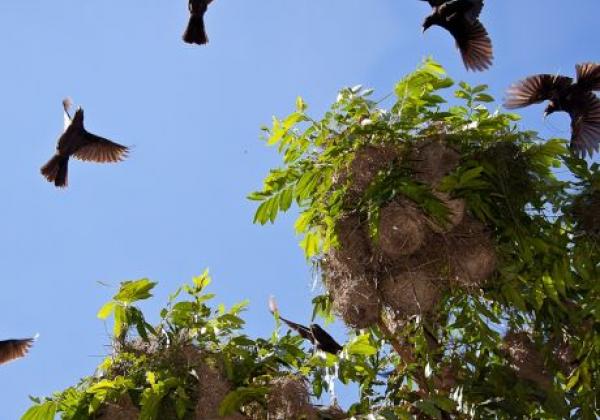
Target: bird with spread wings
461,19
14,349
577,98
76,141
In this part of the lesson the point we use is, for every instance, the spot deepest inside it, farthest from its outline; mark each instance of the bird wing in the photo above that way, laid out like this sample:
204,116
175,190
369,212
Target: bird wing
474,44
585,125
435,3
99,149
588,76
303,331
325,341
13,349
470,9
535,89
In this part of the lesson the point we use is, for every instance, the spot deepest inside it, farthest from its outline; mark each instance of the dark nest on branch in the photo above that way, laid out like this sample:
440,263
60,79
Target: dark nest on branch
413,260
288,398
123,409
526,360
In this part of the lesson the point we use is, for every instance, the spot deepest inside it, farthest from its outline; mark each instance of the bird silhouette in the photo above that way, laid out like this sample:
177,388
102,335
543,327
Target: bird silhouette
577,98
195,33
461,19
76,141
14,349
313,333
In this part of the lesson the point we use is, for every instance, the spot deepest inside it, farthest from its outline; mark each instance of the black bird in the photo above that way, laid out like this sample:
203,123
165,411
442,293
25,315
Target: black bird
461,19
575,98
313,333
195,33
14,349
76,141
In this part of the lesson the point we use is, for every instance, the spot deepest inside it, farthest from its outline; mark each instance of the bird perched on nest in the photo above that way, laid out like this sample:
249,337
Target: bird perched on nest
76,141
313,333
461,19
14,349
575,98
195,33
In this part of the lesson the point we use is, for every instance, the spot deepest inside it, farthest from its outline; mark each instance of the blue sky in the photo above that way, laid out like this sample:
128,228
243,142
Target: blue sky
193,114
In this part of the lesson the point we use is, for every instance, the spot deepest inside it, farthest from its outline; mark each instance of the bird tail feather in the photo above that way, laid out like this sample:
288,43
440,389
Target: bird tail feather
56,170
195,32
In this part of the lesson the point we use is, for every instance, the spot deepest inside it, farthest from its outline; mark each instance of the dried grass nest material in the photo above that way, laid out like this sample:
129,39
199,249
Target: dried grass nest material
432,159
288,398
213,387
411,293
354,295
123,409
526,360
354,250
472,255
456,213
402,229
368,161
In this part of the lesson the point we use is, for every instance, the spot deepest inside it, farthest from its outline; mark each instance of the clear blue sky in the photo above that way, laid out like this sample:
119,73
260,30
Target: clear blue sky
193,114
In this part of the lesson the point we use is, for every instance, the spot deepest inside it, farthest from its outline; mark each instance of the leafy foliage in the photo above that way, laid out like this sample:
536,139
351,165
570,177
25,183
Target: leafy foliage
459,361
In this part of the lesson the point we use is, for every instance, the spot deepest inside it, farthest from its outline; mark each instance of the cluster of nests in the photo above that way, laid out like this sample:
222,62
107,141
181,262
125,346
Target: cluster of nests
413,260
288,396
529,363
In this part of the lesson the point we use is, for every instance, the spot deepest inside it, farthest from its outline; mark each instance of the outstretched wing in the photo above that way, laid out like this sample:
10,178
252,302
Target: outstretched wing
99,149
470,9
303,331
325,341
588,76
585,125
474,44
13,349
535,89
435,3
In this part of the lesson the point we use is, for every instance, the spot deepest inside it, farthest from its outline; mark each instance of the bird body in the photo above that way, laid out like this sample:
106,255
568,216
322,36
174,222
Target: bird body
195,33
461,19
564,94
313,333
76,141
14,349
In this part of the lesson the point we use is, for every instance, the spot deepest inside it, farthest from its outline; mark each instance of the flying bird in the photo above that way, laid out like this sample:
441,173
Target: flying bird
461,19
195,33
577,98
76,141
14,349
313,333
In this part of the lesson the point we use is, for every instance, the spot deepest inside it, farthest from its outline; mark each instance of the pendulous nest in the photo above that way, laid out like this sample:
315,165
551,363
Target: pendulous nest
123,409
526,360
413,260
288,398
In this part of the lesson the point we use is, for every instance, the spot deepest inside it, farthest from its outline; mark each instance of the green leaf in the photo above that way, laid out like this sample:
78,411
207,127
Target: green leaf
45,411
106,310
235,399
361,346
132,291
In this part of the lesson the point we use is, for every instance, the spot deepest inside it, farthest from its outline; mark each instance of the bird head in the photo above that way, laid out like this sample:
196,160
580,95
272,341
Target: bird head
551,108
429,22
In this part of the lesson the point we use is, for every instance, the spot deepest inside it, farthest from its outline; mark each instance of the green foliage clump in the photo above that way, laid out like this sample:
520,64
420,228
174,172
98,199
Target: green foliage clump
460,357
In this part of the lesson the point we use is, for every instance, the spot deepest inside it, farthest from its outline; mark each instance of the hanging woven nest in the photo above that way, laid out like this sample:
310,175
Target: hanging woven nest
123,409
472,255
213,387
368,162
402,229
432,160
526,360
354,295
456,213
288,398
411,293
354,250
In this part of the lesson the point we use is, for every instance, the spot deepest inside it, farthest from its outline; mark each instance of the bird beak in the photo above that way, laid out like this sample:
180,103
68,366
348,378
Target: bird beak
546,113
